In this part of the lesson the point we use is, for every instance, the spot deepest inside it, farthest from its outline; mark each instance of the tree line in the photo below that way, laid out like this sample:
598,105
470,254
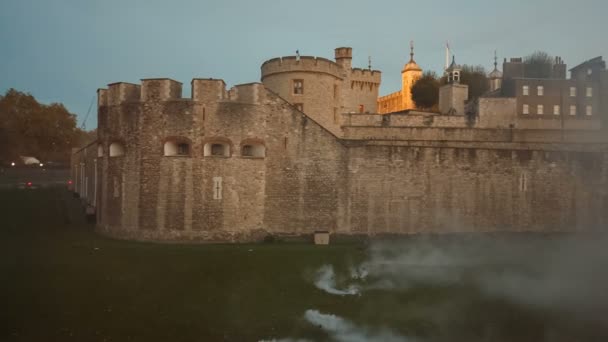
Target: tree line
29,128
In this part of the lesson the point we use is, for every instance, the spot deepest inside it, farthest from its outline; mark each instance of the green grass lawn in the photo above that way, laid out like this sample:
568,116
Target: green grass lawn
62,282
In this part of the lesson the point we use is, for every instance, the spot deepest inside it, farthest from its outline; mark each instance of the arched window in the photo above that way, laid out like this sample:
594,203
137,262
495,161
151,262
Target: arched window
99,150
117,149
253,148
217,148
176,147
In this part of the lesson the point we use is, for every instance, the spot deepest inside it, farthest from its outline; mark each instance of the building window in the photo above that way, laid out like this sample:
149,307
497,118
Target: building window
217,188
589,92
216,149
540,90
253,150
335,91
176,148
556,110
298,87
540,109
183,149
99,151
117,149
572,110
526,90
299,106
589,71
526,109
572,91
589,110
361,108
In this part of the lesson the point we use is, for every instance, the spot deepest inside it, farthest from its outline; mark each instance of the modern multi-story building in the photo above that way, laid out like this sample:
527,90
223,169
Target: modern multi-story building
556,101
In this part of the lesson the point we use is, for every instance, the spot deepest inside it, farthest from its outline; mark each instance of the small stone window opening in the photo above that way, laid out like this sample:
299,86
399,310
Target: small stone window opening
526,109
298,87
116,149
572,110
174,148
361,108
217,188
335,91
589,92
183,149
253,151
572,91
540,90
216,149
99,151
589,110
526,90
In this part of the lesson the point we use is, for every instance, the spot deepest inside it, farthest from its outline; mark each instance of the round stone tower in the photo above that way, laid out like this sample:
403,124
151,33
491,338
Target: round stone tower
308,83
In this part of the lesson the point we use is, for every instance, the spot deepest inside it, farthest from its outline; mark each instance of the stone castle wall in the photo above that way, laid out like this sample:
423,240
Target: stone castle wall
380,177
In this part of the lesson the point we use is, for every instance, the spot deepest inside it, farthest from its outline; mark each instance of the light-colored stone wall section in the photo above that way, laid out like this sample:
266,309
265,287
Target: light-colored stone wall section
452,98
320,97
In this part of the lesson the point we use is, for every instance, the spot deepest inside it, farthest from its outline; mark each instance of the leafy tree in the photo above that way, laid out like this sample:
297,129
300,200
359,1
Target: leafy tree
425,91
28,128
538,65
477,80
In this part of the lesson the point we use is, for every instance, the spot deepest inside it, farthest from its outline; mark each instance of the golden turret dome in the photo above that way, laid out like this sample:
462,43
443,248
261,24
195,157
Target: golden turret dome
411,65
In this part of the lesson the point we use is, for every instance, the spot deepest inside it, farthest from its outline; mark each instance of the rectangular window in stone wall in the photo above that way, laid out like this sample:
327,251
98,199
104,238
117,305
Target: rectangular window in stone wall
526,109
183,149
217,188
572,91
589,92
540,109
298,87
589,110
540,90
572,110
525,90
556,110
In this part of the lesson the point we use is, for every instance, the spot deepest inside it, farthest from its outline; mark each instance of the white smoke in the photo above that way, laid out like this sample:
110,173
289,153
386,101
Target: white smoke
342,330
326,281
554,272
285,340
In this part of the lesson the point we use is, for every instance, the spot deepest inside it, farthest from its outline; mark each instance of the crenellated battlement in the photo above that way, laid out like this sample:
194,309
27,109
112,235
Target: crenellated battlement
206,90
301,64
368,75
160,89
123,92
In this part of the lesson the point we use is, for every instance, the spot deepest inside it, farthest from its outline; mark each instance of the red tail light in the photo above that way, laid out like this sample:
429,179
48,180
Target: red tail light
70,182
29,183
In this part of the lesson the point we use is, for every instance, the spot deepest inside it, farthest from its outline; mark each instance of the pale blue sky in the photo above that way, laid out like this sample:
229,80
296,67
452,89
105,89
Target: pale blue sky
63,50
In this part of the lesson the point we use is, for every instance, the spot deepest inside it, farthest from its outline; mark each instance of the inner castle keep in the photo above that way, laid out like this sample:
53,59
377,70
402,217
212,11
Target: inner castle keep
306,150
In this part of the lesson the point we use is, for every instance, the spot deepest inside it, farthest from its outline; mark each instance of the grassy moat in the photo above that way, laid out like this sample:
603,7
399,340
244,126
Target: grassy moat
63,282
